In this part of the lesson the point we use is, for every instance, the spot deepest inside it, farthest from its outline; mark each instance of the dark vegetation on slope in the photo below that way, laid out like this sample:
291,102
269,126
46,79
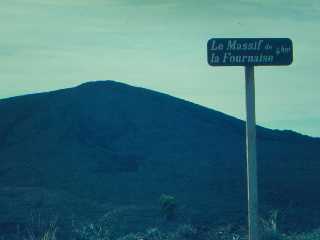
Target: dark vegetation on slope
105,145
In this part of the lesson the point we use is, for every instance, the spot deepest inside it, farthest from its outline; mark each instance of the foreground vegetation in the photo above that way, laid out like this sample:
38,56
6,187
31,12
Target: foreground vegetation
112,227
103,231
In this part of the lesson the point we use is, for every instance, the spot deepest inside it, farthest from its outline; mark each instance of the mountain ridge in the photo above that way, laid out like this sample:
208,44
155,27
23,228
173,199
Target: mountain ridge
110,83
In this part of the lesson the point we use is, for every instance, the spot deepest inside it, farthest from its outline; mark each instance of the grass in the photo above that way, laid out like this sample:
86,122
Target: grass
42,229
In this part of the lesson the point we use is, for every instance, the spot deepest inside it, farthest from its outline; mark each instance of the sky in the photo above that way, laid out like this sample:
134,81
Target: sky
161,45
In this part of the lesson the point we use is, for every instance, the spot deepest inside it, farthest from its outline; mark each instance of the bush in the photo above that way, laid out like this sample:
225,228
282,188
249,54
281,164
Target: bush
269,227
92,232
41,229
131,236
150,234
306,236
154,234
222,233
186,232
271,235
168,206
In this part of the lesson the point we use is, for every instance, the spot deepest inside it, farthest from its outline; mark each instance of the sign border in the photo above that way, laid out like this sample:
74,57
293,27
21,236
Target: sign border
250,39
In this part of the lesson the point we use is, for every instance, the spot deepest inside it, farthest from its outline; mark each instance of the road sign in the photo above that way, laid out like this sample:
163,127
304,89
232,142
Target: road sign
249,51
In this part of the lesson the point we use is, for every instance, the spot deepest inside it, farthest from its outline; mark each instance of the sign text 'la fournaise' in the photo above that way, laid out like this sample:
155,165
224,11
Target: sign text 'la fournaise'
249,51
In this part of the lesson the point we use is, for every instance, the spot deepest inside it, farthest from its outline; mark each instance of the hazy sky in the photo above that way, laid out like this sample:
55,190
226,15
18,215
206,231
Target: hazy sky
161,45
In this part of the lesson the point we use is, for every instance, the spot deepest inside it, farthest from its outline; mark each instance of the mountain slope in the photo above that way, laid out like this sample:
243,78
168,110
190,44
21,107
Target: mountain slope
110,144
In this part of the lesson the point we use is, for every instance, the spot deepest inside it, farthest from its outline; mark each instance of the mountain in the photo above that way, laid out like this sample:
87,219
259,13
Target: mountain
106,145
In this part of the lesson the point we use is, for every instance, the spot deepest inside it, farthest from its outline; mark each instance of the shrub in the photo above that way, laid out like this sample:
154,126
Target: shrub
271,235
92,232
306,236
41,229
150,234
168,206
131,236
154,234
186,232
269,227
222,233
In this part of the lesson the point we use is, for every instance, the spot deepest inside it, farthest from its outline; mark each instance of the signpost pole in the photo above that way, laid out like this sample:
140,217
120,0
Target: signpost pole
250,52
251,154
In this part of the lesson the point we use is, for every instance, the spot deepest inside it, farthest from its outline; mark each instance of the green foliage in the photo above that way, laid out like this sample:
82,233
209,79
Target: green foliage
92,232
154,234
38,228
270,224
269,227
41,229
186,232
314,235
131,236
45,229
150,234
168,206
222,233
48,234
271,235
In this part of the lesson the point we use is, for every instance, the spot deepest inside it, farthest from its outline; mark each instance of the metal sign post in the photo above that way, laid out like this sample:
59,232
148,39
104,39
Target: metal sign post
250,52
251,155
